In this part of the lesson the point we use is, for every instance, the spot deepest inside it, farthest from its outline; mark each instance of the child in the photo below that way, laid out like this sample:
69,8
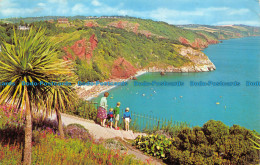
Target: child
116,114
110,116
127,118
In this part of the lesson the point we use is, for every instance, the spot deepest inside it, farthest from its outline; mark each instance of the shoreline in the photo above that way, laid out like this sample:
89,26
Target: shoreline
90,92
200,63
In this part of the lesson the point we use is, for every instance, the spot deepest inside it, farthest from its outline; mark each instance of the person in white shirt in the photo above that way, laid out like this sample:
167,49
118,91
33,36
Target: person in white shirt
102,110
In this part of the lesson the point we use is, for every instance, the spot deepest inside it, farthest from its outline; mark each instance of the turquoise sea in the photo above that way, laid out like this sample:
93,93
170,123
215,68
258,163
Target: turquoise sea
235,59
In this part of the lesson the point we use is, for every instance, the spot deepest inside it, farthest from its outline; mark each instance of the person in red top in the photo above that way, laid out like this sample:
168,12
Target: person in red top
111,117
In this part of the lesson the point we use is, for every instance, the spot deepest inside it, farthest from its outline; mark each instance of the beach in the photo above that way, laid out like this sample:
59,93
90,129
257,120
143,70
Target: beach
89,92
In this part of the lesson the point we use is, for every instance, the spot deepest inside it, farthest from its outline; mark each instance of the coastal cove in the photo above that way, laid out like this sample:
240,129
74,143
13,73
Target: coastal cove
235,60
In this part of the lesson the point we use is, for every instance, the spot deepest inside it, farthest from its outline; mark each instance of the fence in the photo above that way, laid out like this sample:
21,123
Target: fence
142,121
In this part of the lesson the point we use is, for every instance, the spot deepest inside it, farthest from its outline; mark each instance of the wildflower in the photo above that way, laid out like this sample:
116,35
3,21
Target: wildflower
116,156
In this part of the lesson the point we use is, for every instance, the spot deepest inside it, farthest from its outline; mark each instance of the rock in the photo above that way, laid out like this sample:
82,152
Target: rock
134,78
162,73
184,41
81,48
198,43
122,69
184,69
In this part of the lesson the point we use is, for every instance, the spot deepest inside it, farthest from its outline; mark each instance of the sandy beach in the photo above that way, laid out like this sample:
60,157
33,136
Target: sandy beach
88,92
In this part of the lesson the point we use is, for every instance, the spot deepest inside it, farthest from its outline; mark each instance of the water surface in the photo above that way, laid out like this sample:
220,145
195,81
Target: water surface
235,60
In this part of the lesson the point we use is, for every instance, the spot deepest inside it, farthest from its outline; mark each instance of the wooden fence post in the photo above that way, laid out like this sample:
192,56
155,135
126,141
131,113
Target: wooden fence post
158,126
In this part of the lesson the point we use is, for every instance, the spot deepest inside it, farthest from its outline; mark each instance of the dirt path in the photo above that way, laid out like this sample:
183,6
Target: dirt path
106,133
96,130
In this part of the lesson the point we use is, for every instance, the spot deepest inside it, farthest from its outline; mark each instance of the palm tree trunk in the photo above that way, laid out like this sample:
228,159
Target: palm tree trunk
27,155
60,127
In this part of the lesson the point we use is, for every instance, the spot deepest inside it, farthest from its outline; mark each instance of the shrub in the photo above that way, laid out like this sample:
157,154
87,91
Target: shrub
155,145
78,131
12,125
214,130
84,109
214,143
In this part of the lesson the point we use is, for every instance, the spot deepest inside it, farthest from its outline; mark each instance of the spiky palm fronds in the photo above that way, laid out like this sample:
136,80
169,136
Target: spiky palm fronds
30,59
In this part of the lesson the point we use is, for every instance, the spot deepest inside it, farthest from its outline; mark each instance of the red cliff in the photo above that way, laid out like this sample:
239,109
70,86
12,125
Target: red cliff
122,69
198,43
81,48
184,41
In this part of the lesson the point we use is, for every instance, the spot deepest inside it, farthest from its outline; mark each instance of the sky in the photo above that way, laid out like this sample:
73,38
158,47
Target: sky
210,12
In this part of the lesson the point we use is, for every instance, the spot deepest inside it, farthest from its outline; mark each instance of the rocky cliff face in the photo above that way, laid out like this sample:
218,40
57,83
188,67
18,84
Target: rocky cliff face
198,43
199,62
81,48
122,69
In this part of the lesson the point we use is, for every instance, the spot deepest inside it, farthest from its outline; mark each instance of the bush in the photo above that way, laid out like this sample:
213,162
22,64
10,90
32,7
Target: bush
84,109
214,143
214,130
78,131
155,145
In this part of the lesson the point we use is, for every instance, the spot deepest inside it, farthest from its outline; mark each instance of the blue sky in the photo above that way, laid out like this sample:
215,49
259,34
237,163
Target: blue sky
211,12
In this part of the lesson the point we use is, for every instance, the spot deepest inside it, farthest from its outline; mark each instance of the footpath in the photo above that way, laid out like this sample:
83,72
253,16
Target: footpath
98,132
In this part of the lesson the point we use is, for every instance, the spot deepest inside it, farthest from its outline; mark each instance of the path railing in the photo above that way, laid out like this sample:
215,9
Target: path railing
144,121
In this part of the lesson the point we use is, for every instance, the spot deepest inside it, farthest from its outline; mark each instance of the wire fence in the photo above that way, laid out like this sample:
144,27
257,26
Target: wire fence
144,122
147,121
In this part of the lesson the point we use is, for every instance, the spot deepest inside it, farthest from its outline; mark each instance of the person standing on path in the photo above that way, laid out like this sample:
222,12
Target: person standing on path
102,110
127,118
116,114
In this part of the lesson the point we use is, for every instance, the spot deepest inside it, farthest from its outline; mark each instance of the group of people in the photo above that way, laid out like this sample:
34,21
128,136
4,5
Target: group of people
113,114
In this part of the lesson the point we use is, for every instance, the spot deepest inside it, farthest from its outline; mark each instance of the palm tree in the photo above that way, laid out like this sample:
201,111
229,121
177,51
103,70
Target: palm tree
32,58
61,97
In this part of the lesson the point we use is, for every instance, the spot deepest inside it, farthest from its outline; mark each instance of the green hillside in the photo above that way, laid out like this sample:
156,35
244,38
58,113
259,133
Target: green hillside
140,42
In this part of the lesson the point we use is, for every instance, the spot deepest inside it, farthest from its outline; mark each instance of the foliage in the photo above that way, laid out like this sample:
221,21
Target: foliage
31,65
155,145
84,109
12,123
48,148
213,143
78,131
18,67
256,141
134,47
114,144
169,128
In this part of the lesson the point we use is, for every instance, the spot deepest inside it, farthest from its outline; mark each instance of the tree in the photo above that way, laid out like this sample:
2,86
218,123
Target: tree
61,97
30,63
22,22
